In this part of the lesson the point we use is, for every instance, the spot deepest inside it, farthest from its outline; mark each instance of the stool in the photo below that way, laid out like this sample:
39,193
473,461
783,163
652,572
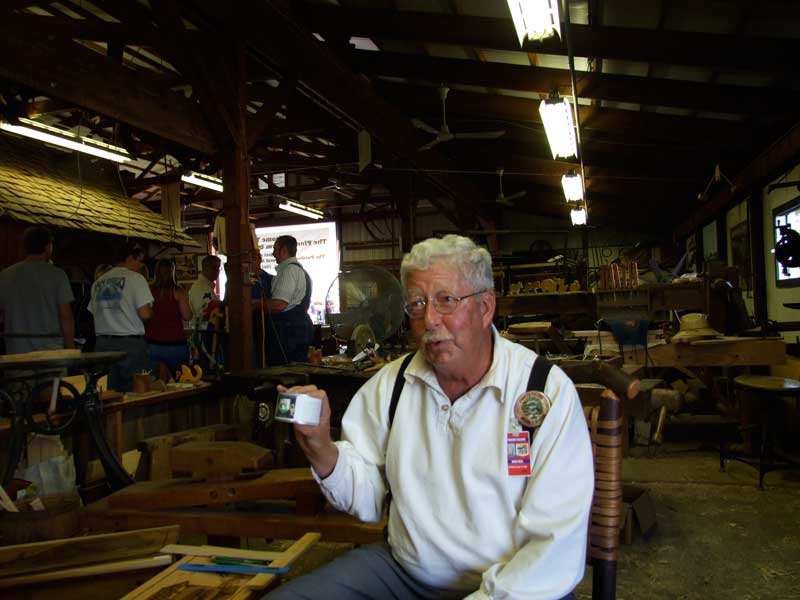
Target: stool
770,390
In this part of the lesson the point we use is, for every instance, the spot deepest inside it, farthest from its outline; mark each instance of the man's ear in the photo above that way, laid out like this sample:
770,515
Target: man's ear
488,303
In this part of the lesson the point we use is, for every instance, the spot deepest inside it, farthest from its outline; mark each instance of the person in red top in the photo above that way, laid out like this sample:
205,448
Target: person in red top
164,332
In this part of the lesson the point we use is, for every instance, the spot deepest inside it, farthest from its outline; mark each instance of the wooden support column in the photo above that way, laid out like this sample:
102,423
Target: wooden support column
236,203
755,218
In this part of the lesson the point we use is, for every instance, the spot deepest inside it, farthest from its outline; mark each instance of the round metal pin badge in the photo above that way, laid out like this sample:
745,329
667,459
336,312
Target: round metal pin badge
531,408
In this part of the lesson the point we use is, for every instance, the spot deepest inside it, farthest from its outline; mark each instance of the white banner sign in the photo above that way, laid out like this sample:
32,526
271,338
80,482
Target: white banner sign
317,251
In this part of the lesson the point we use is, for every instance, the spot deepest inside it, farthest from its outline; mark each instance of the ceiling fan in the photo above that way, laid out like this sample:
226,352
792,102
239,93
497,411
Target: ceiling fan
503,199
338,188
444,134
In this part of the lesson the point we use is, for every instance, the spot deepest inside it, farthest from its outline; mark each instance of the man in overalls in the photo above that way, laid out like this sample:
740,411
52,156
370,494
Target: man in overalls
289,328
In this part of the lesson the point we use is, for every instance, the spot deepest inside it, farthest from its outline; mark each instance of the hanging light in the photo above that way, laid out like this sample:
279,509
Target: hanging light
301,209
578,216
559,126
572,183
200,180
536,19
66,139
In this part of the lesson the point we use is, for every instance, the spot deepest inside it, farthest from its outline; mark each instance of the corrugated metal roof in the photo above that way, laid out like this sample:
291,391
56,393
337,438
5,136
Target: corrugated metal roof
33,189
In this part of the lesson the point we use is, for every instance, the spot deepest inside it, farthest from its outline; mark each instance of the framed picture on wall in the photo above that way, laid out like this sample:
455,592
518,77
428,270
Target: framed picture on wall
187,267
740,254
786,225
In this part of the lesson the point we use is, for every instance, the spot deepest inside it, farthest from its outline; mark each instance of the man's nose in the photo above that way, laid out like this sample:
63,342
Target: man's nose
432,316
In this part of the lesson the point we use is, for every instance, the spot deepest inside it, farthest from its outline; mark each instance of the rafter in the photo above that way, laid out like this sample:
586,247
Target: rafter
72,73
619,88
271,32
645,45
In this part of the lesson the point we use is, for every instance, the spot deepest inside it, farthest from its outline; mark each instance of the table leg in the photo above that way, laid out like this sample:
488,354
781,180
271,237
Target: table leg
17,440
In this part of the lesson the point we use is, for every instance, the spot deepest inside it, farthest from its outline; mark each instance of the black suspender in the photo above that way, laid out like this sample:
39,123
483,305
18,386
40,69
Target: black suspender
536,381
399,383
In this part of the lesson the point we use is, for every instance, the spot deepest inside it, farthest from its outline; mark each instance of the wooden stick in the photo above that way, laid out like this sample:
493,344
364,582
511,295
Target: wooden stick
152,562
288,556
206,550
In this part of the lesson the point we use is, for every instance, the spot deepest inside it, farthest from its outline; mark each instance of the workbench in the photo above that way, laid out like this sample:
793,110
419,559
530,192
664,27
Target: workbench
718,352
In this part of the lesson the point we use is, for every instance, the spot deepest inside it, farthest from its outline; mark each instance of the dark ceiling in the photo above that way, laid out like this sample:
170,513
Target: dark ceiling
668,90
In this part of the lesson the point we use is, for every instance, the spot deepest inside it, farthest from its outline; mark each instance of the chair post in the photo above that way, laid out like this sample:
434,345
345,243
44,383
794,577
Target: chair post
606,432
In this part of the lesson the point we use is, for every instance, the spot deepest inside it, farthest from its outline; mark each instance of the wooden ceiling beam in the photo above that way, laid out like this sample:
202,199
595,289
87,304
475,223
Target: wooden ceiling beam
776,159
272,33
607,124
258,124
719,51
72,73
691,95
85,29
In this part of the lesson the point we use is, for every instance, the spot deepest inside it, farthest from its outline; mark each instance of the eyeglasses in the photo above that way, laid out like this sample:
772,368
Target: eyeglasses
444,304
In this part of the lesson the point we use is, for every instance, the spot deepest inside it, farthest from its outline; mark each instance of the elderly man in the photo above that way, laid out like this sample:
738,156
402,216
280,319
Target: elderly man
289,330
491,483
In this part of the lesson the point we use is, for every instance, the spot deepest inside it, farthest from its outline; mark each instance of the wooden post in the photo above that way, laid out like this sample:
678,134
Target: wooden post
755,217
236,203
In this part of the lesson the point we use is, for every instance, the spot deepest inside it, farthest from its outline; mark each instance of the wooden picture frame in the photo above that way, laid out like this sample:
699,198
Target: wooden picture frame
740,254
187,267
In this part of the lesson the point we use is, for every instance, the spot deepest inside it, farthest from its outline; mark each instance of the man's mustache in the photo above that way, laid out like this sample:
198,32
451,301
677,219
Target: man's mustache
436,336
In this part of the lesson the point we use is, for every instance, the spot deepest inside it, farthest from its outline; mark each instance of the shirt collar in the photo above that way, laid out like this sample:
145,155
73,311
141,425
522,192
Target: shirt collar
286,263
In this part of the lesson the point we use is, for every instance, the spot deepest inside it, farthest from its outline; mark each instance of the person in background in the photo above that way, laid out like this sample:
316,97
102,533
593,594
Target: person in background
289,330
36,299
203,300
261,289
491,483
164,333
121,303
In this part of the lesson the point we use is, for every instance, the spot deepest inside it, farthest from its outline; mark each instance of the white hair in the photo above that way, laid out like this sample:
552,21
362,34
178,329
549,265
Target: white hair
472,262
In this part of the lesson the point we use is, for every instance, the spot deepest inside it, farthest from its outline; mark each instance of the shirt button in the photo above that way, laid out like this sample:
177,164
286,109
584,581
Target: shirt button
445,407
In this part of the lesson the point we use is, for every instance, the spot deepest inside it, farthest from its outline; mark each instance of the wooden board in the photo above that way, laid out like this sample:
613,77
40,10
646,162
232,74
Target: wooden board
206,550
155,463
250,522
748,352
81,551
529,327
105,568
173,583
175,493
216,458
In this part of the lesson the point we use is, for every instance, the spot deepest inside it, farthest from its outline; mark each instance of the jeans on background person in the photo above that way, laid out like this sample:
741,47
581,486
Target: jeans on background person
120,374
172,355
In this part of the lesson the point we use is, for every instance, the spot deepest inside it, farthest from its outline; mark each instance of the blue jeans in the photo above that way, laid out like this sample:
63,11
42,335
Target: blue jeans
369,572
172,355
120,374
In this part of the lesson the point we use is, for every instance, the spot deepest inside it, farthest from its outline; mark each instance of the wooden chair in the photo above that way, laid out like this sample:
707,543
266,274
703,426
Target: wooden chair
607,431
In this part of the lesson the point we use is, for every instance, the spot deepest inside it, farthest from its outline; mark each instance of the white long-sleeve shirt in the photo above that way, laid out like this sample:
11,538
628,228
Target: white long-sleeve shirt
458,520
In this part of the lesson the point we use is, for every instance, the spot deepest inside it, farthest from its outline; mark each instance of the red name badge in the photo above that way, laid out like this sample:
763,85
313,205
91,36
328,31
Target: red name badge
519,454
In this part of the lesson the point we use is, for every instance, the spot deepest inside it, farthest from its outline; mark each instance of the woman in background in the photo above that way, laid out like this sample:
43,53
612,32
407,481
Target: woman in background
164,333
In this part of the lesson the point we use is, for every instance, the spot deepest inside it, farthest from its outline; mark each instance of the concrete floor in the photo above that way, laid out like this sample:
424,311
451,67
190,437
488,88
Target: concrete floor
718,536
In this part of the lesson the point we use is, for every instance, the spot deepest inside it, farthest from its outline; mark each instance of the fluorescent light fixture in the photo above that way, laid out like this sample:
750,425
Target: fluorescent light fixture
66,139
301,209
559,127
200,180
578,216
536,19
573,186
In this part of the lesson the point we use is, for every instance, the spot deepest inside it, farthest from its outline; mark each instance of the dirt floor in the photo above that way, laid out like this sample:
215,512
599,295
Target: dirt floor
718,536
